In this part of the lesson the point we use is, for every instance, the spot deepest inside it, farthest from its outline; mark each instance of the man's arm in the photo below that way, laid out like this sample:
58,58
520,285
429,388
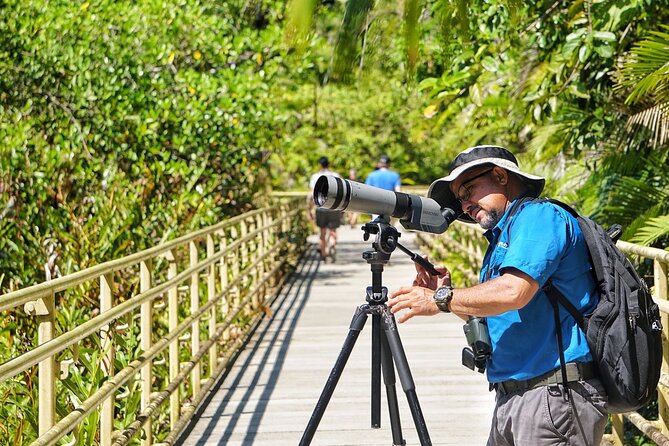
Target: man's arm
511,291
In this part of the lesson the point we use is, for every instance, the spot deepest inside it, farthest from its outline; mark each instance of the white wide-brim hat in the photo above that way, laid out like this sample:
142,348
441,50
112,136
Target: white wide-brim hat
440,190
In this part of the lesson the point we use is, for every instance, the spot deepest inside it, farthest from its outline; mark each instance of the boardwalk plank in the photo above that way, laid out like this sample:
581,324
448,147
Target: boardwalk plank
268,396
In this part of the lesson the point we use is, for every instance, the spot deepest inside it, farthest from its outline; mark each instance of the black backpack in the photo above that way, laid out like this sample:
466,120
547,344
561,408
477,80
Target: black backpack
624,331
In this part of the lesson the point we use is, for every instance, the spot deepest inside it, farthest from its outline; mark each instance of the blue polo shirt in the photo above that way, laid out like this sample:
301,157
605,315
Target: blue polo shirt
384,178
543,241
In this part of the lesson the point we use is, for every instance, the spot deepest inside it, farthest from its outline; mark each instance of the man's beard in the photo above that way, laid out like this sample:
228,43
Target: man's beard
490,219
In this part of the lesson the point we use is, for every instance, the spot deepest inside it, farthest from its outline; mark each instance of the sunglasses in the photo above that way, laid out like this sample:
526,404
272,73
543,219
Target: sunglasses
464,191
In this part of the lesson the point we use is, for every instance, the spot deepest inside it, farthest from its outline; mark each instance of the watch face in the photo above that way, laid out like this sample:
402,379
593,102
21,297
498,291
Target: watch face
442,298
442,294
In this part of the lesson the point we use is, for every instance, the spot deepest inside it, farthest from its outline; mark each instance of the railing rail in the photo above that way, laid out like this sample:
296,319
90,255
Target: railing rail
465,242
162,312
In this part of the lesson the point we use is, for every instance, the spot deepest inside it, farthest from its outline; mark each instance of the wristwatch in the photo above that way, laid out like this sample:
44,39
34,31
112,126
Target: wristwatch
442,297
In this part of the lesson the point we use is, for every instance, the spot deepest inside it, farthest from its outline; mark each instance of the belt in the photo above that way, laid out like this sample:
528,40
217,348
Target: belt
576,371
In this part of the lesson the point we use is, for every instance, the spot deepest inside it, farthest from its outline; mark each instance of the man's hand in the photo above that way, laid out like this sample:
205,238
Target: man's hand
416,300
426,280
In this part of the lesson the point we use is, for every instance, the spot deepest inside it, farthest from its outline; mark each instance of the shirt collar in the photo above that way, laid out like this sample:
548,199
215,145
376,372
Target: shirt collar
492,234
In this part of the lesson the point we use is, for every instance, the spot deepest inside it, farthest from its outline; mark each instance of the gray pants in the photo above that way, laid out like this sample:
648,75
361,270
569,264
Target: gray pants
542,416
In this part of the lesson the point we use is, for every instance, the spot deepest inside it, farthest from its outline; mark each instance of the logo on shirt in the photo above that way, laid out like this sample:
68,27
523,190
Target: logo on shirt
503,245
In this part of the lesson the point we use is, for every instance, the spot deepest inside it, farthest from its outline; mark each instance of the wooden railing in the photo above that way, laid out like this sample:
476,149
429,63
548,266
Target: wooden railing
166,324
463,246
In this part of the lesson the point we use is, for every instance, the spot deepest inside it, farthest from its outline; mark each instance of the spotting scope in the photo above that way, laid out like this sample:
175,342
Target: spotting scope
414,212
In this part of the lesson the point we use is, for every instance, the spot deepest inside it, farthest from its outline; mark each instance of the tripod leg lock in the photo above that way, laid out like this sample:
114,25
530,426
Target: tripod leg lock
360,317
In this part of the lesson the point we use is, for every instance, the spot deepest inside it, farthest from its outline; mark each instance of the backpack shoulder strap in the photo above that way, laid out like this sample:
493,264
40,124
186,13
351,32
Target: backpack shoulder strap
557,297
551,291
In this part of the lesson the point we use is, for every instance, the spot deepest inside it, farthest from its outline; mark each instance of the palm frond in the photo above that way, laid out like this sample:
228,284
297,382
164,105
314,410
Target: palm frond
655,229
544,142
630,198
654,120
646,70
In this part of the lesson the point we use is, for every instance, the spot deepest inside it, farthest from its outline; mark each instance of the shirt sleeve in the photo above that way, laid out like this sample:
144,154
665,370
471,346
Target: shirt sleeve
539,237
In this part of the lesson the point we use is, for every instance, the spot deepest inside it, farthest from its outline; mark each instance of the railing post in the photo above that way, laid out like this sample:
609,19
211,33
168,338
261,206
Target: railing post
270,240
617,429
660,288
244,265
195,327
261,257
255,274
173,321
45,309
245,246
146,324
223,273
235,292
107,361
211,295
225,301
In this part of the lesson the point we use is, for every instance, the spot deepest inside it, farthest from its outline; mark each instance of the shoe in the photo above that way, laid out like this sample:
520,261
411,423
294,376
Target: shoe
333,254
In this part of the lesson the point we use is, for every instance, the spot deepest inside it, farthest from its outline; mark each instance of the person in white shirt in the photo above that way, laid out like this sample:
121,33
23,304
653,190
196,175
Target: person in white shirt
327,220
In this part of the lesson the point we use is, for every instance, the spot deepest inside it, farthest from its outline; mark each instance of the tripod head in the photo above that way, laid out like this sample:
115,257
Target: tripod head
385,240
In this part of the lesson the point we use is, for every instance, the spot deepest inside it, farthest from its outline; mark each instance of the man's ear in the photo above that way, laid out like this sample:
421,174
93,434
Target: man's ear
501,175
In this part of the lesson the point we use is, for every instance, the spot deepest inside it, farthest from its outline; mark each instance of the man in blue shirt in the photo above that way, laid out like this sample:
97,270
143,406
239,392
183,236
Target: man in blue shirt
529,243
383,177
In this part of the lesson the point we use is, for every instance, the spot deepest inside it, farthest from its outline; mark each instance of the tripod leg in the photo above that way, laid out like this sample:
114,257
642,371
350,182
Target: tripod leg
376,371
357,325
391,392
395,344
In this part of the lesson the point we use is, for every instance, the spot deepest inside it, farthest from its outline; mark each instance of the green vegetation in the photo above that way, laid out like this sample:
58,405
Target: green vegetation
123,124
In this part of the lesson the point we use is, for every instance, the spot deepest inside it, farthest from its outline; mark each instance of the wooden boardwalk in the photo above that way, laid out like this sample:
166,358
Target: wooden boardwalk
270,393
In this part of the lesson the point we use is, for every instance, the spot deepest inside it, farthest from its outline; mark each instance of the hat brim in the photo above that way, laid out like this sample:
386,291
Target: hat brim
440,190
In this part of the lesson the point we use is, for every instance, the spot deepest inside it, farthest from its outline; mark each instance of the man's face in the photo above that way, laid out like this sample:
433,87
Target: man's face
482,193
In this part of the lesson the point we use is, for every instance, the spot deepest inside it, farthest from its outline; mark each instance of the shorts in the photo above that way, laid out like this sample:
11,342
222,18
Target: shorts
328,219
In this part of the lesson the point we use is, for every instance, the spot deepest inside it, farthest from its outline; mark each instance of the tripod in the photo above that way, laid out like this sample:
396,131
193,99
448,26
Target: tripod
386,344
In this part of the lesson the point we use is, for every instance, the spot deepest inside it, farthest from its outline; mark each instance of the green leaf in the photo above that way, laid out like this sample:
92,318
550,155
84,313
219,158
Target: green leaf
427,83
655,229
475,94
569,47
578,91
604,50
490,64
576,35
605,36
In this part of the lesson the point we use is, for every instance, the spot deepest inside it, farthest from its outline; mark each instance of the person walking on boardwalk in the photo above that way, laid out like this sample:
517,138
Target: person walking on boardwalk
352,216
530,243
384,177
327,221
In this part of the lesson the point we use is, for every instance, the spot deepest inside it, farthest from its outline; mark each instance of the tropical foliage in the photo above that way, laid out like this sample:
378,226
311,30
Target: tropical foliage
123,123
573,88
